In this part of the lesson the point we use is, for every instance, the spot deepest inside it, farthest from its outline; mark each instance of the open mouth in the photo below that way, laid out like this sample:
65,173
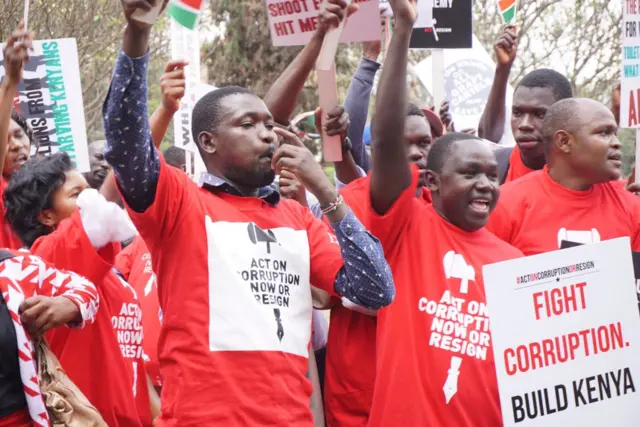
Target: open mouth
480,205
21,159
616,159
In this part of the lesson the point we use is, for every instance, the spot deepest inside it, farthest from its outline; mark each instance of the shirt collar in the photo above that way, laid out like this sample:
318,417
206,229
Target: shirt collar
207,181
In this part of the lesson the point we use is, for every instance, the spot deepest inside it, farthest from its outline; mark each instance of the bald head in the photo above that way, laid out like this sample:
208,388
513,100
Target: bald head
570,115
581,143
99,167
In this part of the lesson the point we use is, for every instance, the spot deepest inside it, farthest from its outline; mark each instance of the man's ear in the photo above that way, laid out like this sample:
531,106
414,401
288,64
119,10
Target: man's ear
47,217
563,141
207,142
432,181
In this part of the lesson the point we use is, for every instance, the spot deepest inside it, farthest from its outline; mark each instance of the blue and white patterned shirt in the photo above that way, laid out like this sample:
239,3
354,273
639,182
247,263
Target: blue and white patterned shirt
365,279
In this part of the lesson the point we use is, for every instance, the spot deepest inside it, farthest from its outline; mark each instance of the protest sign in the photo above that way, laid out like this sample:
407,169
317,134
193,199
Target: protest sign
50,99
451,20
293,22
630,91
468,75
328,94
566,336
185,44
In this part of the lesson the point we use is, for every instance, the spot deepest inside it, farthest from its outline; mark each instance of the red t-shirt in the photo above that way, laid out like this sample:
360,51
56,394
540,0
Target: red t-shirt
517,168
8,238
134,262
434,359
233,281
104,359
351,346
535,214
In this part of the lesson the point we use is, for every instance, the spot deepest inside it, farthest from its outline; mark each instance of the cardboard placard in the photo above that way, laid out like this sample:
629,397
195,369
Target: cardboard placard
566,336
293,22
328,94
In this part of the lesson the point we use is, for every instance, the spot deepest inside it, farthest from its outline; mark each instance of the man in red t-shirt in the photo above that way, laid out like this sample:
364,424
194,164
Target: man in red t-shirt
533,96
351,345
578,196
434,359
234,262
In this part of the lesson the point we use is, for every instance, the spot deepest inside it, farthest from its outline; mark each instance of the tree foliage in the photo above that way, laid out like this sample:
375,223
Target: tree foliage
97,27
579,38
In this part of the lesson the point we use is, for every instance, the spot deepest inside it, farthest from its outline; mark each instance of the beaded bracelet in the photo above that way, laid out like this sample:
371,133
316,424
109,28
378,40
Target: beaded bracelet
333,206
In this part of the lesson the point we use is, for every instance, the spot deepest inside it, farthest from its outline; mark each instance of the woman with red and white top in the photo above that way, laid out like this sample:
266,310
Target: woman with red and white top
35,298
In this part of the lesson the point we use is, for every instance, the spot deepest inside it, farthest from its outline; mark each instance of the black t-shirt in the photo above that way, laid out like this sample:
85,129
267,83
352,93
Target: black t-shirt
11,393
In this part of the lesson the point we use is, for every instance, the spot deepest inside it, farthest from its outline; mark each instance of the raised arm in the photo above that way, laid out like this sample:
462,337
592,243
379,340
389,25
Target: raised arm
173,86
492,122
357,103
130,150
390,174
283,95
15,54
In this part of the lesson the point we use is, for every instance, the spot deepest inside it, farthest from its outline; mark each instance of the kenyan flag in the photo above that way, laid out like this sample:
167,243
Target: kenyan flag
508,10
186,12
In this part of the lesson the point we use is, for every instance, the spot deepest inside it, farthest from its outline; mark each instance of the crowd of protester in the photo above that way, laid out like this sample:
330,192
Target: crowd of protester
174,301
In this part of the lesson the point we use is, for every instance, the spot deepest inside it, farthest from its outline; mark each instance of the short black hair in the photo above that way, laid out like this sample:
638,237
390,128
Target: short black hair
414,110
208,110
441,149
23,124
547,78
175,156
30,191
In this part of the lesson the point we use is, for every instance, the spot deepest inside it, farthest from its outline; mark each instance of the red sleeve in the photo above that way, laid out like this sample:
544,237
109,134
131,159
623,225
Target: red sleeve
170,204
124,259
501,222
326,259
355,196
390,227
69,248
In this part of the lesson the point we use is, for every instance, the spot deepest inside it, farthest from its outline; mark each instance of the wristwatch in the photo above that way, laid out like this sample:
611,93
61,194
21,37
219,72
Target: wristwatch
346,145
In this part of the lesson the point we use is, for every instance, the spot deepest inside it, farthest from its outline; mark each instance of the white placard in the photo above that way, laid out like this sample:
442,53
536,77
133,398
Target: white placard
293,22
630,90
566,337
468,75
185,44
50,98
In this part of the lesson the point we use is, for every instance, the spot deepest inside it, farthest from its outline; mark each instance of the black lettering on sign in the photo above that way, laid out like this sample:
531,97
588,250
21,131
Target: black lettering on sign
539,403
599,387
268,278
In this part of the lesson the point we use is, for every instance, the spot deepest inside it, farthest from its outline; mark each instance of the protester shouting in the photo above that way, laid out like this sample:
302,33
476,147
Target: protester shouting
436,253
50,208
15,135
245,256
